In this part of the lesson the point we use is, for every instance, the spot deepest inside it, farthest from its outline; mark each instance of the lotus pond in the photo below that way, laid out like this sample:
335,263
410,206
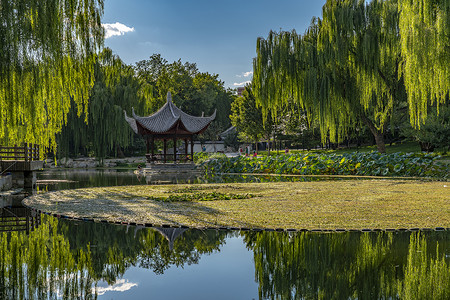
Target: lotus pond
87,260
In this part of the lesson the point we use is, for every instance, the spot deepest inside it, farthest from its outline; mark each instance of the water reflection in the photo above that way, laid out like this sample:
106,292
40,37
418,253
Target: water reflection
257,178
69,259
56,179
50,180
351,265
169,178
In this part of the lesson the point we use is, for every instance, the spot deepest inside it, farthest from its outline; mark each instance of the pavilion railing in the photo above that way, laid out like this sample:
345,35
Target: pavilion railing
28,152
168,158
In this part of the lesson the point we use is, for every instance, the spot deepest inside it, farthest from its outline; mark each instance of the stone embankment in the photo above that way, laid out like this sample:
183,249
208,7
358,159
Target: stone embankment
5,182
91,162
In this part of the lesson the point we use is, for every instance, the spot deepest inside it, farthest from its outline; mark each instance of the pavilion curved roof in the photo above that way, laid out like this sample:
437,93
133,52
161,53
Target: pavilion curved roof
167,118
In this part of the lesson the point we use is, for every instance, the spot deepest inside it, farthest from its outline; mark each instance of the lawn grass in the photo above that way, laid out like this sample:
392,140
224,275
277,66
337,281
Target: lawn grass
347,204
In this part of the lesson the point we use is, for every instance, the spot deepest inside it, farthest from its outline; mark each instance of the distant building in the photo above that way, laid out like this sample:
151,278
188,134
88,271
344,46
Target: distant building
231,130
240,90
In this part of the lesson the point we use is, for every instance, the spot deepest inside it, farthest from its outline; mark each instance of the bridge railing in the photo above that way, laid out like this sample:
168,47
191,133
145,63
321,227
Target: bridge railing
27,152
18,219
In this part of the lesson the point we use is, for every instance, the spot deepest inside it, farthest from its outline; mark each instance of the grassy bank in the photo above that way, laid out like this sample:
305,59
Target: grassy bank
349,204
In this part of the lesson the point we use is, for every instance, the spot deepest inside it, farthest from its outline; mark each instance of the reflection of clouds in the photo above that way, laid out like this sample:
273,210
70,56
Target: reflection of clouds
121,285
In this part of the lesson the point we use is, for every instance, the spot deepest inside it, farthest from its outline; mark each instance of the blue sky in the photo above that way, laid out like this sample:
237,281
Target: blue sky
219,36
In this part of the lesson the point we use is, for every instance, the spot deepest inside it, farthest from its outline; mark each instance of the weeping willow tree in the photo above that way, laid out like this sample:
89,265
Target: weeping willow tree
116,88
292,67
425,46
347,69
47,51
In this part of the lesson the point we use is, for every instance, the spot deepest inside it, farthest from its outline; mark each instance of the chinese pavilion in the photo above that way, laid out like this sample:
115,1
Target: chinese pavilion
169,123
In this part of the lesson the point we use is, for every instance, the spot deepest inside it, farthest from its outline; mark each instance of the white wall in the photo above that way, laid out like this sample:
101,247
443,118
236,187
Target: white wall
210,147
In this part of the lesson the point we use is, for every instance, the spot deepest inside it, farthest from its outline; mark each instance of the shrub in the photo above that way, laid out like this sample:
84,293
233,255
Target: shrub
365,164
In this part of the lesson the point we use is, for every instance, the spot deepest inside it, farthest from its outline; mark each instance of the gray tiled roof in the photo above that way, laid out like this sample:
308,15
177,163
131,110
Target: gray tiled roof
131,121
167,116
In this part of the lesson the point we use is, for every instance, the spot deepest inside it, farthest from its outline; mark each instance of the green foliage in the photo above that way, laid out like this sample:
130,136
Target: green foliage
232,140
200,196
358,64
116,89
248,119
363,164
202,157
194,92
47,53
435,133
424,27
196,188
296,128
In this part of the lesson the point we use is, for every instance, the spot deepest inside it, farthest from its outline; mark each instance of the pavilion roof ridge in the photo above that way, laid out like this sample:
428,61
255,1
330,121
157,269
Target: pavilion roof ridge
131,121
166,117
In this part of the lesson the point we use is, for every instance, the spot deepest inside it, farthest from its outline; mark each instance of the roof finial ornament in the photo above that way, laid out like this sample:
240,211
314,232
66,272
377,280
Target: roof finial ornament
169,97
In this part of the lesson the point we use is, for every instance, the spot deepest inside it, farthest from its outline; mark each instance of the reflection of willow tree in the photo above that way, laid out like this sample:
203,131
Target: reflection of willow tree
187,249
41,266
65,259
118,247
349,266
426,277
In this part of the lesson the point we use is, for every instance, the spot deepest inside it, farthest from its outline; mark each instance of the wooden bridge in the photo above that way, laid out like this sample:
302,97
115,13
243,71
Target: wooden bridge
28,152
18,219
21,162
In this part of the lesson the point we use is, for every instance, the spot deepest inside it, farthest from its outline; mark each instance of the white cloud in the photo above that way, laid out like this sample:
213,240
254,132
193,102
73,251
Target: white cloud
241,83
116,29
120,286
245,74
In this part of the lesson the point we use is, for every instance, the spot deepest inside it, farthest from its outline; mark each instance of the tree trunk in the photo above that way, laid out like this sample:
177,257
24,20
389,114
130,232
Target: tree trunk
428,147
378,134
379,139
120,153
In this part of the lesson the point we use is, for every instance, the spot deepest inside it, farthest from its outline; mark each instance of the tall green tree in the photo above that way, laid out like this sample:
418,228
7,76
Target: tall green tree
116,89
364,43
47,52
347,69
193,91
435,133
249,120
424,29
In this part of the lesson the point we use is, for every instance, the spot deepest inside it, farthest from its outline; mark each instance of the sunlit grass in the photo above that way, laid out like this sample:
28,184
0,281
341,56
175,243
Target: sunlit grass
350,204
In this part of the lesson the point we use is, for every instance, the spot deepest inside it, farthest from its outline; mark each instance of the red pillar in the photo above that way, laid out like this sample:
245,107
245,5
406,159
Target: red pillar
185,149
174,150
165,150
192,147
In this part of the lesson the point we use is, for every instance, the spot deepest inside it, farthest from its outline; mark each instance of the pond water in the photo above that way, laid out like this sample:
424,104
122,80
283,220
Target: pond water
72,259
59,179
